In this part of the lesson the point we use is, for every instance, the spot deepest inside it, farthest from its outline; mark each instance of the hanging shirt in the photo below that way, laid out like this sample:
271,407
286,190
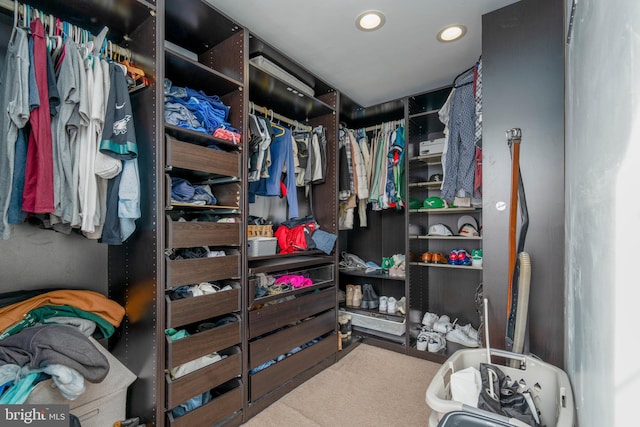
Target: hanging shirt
37,196
14,100
119,137
460,158
281,158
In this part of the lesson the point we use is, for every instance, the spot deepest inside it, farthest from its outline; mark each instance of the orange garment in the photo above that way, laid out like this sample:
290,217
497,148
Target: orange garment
90,301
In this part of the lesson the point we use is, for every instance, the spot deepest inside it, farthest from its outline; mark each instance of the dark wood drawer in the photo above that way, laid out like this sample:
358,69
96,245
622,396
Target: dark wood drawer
197,270
190,310
202,343
184,388
194,157
274,316
272,346
189,234
276,375
212,412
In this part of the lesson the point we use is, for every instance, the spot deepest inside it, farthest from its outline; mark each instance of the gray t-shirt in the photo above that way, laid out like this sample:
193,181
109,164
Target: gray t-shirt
14,106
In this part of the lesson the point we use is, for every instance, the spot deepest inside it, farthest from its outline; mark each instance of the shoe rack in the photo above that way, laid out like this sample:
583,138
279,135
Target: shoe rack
435,285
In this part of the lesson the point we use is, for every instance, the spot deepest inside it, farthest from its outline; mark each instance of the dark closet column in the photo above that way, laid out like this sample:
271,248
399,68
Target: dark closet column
523,86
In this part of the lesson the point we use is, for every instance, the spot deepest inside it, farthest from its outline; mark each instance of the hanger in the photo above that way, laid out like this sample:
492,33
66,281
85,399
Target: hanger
16,7
462,74
278,127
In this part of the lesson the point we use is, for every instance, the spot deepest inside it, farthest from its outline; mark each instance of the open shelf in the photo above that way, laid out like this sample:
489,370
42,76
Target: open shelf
185,72
463,267
376,275
445,237
446,210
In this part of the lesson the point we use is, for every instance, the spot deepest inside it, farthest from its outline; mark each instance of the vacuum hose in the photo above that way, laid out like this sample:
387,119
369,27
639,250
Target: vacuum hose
524,281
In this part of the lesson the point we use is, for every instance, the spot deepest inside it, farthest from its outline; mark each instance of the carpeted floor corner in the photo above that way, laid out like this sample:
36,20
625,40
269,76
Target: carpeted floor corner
369,387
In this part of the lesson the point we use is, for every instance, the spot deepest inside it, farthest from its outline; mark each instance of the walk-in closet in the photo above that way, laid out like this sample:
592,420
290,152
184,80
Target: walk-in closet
226,223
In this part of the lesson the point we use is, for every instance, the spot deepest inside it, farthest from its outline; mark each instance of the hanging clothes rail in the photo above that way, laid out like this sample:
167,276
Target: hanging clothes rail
267,112
392,123
25,12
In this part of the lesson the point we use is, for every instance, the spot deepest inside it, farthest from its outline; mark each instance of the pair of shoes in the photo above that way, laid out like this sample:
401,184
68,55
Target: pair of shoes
443,324
459,257
388,305
354,295
465,335
369,297
429,319
430,341
434,257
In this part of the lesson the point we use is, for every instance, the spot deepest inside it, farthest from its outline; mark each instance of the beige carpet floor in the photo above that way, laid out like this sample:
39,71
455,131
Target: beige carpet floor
370,386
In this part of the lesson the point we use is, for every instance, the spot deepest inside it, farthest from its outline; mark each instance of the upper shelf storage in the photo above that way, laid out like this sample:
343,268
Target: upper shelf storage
121,16
198,34
280,84
183,71
427,102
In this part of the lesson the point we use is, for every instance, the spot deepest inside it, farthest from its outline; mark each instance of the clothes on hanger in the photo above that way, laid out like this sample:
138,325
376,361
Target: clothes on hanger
462,154
66,166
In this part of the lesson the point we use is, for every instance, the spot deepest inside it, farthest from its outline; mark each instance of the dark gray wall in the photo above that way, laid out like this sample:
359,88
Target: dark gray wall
523,86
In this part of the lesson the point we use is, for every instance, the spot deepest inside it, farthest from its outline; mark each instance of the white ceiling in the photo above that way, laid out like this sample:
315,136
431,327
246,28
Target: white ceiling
401,58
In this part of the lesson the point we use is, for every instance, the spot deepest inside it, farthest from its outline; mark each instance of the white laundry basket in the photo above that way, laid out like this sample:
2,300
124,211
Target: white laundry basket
550,387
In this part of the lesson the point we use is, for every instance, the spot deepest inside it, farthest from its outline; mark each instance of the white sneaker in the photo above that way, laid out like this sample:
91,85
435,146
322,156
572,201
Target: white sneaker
436,343
402,304
443,324
469,331
422,342
429,319
458,336
430,341
392,305
383,304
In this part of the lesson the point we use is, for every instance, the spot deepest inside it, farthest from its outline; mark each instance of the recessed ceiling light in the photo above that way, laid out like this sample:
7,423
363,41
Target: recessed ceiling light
370,20
451,33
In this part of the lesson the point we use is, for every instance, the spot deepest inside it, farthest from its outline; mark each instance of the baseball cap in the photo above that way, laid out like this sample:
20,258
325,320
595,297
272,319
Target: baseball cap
468,230
433,203
440,230
467,219
436,177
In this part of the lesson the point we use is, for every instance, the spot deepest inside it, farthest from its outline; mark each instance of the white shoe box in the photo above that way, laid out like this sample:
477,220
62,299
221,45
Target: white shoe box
432,147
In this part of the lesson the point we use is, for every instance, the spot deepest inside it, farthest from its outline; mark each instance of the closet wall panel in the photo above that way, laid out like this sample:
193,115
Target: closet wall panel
523,86
136,271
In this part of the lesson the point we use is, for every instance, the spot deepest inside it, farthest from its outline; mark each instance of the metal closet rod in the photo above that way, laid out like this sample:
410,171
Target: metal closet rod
124,52
382,125
268,112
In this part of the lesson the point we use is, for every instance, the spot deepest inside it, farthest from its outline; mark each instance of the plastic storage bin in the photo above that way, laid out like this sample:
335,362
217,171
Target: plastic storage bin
102,404
550,387
378,322
261,246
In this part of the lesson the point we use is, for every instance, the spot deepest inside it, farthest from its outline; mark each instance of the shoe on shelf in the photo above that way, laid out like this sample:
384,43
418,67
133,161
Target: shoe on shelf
458,336
357,295
422,342
430,341
349,298
438,258
402,306
366,297
384,304
469,331
429,319
436,343
392,305
443,324
369,297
